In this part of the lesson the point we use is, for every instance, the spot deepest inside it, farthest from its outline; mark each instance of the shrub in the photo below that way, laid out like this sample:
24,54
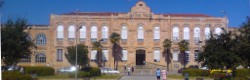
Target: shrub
80,74
15,75
242,72
92,71
40,71
196,72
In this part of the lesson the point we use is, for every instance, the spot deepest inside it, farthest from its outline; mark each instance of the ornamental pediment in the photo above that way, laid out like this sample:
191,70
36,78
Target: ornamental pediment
140,8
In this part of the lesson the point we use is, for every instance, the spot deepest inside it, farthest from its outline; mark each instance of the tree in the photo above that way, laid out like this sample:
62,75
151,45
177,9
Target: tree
167,44
82,55
220,51
243,44
183,46
116,49
15,44
98,47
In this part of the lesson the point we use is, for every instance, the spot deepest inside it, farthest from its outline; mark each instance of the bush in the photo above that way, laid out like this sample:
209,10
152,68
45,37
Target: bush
80,74
92,71
242,72
15,75
196,72
40,71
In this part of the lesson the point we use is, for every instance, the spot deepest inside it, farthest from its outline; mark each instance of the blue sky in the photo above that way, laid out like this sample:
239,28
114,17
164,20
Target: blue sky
38,11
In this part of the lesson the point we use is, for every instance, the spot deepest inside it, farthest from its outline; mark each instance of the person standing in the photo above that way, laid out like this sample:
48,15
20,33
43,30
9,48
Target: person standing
129,71
164,75
158,74
132,69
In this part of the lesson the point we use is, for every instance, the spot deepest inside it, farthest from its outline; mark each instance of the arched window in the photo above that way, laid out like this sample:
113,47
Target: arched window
196,34
218,30
124,33
140,34
71,33
83,33
60,33
175,34
41,40
105,33
40,58
93,33
207,33
186,33
157,34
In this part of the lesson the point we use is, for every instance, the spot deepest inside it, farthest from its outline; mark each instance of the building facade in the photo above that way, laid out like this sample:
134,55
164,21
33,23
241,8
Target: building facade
142,33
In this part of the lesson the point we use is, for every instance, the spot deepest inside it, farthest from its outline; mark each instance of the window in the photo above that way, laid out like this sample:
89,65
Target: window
124,33
175,55
105,33
59,55
93,33
26,59
196,54
176,65
187,56
40,58
60,33
196,34
71,33
105,55
157,55
217,30
93,55
83,33
140,34
186,33
175,34
125,55
207,33
28,38
40,40
157,34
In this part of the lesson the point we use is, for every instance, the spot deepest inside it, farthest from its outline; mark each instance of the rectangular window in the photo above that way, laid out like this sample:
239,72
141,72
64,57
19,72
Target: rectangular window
157,55
105,55
125,55
187,56
93,55
25,59
196,54
175,56
59,54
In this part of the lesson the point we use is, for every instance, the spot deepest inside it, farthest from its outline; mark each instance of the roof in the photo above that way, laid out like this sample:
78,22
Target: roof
116,14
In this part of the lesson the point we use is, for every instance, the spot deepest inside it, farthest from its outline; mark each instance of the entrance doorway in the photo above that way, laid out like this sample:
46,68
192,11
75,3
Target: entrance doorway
140,57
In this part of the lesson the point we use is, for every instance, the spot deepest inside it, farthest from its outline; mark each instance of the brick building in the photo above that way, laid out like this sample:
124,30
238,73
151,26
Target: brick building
141,30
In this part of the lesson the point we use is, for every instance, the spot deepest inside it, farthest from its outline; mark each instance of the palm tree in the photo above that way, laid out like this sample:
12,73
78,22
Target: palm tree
115,39
96,45
183,46
167,44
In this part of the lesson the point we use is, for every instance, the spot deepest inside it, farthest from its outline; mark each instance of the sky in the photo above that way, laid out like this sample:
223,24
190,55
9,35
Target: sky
39,11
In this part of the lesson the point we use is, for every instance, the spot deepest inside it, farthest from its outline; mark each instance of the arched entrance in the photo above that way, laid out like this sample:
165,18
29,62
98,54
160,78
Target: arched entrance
140,57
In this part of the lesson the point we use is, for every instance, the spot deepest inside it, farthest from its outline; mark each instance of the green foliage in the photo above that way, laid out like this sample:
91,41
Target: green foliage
15,75
183,46
243,45
98,46
82,55
88,72
242,72
196,72
167,44
40,71
14,41
219,51
116,49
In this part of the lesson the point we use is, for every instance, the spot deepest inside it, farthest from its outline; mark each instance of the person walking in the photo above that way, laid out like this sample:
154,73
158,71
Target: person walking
164,75
158,74
132,69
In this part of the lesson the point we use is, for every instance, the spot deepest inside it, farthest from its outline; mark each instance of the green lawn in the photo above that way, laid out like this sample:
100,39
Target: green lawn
66,76
175,76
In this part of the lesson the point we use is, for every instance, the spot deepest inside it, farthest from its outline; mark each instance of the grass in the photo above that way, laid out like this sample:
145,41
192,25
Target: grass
66,76
178,76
